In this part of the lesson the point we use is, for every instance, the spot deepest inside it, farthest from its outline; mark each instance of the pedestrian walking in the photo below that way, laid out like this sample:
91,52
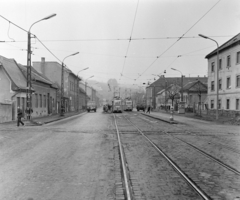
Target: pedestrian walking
19,116
148,110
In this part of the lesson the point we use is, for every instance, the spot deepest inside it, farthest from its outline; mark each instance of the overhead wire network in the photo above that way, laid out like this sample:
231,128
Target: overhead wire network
176,40
129,41
10,22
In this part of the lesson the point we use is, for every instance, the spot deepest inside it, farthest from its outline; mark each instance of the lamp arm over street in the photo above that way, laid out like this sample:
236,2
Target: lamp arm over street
29,70
62,85
217,72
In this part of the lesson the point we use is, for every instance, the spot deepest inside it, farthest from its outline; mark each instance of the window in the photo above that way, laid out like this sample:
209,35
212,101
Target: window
212,85
212,104
238,81
18,101
237,104
220,64
229,61
238,57
190,99
40,99
212,67
219,103
228,104
44,101
220,84
36,100
228,82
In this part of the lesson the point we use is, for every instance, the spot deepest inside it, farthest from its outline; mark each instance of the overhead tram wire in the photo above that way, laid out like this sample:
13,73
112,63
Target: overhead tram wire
34,36
129,40
123,39
179,38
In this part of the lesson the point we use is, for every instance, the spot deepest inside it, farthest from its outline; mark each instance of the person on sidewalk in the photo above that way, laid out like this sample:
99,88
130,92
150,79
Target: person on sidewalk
148,110
19,116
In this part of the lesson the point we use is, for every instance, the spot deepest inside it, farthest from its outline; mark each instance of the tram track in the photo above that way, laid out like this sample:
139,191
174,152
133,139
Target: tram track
176,168
207,155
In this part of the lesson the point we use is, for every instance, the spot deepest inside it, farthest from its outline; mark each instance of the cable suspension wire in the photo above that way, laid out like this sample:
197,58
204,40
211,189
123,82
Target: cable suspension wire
14,24
129,40
180,38
96,40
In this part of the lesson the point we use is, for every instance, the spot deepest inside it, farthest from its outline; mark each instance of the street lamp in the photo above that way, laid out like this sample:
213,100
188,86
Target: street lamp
62,85
181,83
78,87
86,90
217,104
29,70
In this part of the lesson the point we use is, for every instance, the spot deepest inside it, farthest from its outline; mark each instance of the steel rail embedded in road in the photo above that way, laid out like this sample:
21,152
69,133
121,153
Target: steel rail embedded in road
188,180
208,155
125,176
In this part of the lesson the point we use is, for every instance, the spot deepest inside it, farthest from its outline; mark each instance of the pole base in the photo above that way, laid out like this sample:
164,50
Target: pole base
171,118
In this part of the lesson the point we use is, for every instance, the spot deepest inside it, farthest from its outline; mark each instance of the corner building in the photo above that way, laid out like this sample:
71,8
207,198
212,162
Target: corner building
229,78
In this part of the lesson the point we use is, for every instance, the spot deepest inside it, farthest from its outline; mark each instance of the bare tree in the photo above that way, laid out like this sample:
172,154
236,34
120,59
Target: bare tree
172,92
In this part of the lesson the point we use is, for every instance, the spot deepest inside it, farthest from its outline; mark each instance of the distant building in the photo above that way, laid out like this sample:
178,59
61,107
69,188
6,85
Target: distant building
229,77
164,82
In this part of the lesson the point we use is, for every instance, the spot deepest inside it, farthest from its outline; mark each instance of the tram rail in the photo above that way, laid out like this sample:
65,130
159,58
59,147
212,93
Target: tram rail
191,183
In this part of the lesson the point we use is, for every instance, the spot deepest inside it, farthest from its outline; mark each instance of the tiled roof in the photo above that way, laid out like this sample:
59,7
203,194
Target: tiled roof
14,73
36,76
229,43
199,86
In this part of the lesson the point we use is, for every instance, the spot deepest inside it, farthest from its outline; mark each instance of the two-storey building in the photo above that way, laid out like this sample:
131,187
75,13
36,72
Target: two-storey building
229,77
53,70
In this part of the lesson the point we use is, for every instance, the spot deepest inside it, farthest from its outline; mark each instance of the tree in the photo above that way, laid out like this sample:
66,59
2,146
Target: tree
173,92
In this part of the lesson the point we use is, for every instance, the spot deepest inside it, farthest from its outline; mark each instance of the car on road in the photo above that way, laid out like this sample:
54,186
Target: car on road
141,107
91,106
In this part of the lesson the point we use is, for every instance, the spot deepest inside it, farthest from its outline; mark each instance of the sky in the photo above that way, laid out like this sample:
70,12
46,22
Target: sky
129,40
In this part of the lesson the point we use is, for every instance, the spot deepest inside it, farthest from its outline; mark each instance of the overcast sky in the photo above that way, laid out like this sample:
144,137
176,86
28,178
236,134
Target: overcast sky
100,30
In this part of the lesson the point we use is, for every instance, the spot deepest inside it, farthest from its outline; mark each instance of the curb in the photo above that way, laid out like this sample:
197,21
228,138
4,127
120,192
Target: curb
35,123
154,117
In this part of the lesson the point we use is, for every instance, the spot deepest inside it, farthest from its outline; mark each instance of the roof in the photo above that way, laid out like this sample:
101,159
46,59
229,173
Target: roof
176,80
14,73
195,86
233,41
36,76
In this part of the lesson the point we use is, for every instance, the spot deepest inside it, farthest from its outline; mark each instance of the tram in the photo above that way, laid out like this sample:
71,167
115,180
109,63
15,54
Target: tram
128,104
117,105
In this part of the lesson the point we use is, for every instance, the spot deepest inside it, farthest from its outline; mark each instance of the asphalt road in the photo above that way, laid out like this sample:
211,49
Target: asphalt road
70,159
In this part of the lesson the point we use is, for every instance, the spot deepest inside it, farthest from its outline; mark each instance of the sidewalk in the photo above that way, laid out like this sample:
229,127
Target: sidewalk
39,121
165,116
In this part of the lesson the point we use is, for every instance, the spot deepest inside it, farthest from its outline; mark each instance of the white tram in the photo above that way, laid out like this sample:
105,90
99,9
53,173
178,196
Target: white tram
117,105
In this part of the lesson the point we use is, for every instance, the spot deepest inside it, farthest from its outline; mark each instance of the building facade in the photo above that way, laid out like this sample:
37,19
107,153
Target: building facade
13,91
53,70
164,82
229,77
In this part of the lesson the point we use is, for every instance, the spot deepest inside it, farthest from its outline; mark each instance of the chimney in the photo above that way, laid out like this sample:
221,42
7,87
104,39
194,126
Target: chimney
42,67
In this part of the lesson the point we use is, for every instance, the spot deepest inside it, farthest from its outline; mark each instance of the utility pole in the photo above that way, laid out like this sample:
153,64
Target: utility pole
29,70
